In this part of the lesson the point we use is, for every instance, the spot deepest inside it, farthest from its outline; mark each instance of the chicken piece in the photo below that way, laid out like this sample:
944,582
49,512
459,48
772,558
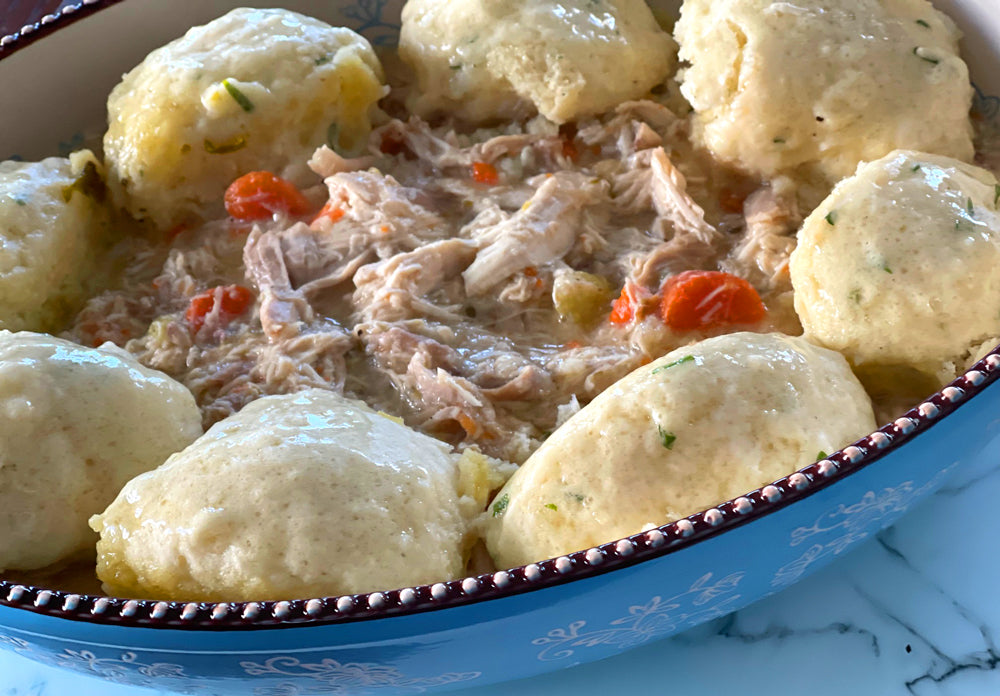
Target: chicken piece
762,254
395,288
543,231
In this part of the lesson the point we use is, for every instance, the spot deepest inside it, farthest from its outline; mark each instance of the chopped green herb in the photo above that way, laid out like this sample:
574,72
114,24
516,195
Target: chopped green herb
89,183
854,295
236,94
916,168
551,506
455,67
831,218
675,363
996,195
323,60
500,506
578,497
185,148
234,145
885,267
821,455
921,56
666,437
779,141
923,24
969,206
20,201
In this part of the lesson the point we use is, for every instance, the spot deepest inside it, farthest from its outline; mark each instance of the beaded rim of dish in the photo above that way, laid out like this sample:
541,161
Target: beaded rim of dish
620,553
47,24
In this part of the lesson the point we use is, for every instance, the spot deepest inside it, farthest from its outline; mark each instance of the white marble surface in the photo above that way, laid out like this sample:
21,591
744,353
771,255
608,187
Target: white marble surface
911,612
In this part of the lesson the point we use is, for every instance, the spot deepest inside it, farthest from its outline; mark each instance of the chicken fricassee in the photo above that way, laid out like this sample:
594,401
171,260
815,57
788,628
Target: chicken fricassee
476,284
546,247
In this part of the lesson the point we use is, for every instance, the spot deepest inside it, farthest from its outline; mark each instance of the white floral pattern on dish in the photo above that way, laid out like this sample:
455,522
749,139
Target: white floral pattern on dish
703,601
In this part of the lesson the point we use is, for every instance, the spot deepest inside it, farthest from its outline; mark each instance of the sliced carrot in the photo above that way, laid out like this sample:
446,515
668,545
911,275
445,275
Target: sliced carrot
469,425
628,306
705,299
485,173
259,195
233,300
331,210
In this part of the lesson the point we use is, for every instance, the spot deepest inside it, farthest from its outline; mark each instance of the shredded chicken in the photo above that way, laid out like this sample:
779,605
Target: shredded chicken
326,162
282,307
543,231
431,293
393,289
670,199
762,254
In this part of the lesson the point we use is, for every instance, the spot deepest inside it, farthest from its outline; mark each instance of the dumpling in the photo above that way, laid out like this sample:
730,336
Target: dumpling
254,89
54,223
813,87
700,425
899,268
300,495
75,425
491,60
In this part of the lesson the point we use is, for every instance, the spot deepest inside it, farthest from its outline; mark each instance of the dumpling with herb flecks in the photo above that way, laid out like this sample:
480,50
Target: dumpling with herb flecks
494,60
297,495
54,224
699,426
254,89
899,269
75,425
812,87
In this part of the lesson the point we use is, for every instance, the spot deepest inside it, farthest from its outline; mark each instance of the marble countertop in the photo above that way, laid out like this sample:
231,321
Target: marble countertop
912,611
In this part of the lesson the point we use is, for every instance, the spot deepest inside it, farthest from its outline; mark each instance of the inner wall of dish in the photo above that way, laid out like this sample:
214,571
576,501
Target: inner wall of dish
57,97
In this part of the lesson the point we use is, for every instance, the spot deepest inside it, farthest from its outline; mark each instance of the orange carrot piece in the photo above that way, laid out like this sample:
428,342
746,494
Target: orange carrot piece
485,173
233,301
628,306
259,195
706,299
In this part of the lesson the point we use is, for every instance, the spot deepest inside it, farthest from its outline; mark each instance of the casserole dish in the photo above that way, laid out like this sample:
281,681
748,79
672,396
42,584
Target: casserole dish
575,608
